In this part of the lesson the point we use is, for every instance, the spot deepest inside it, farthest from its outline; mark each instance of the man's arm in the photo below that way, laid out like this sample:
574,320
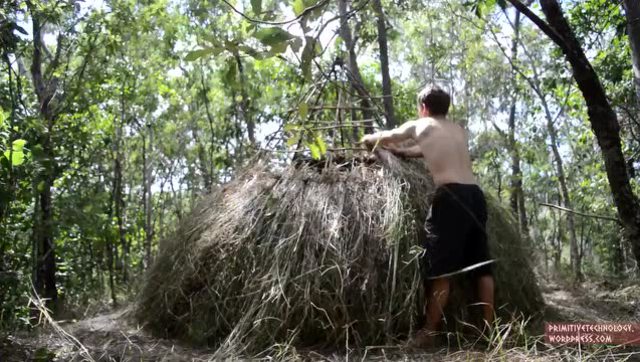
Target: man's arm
386,138
413,151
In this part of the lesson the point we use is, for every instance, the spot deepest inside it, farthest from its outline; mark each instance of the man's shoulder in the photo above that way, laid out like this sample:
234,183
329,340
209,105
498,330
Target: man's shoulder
429,120
426,122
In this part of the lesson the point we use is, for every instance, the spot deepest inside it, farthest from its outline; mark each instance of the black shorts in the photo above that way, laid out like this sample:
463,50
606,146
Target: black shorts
456,239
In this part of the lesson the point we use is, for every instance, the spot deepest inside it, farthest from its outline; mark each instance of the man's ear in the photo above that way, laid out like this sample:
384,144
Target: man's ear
424,111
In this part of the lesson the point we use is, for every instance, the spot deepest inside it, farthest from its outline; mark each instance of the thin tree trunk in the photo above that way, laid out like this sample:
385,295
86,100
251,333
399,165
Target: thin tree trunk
384,64
632,10
5,207
45,275
212,133
207,179
243,106
354,76
602,117
517,193
46,263
118,198
109,239
564,192
558,245
618,258
146,180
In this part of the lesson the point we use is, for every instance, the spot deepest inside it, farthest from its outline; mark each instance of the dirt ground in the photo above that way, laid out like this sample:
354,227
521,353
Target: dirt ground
112,337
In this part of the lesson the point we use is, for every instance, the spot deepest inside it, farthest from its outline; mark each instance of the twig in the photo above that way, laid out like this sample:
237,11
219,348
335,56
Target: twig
358,121
328,150
39,304
333,108
603,217
337,126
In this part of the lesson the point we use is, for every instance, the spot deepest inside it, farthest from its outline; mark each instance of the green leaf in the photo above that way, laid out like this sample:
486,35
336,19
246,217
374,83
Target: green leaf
16,157
256,5
303,110
18,144
252,52
322,146
315,151
307,56
232,71
298,7
293,140
296,44
272,36
279,48
196,54
478,11
290,127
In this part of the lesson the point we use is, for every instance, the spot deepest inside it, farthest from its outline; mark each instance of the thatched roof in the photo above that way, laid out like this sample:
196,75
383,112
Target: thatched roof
314,254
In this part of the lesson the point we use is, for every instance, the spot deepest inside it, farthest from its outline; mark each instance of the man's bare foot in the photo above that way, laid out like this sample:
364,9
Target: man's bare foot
423,339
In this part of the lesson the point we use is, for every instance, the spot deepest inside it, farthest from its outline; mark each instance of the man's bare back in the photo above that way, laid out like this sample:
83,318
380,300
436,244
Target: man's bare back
445,149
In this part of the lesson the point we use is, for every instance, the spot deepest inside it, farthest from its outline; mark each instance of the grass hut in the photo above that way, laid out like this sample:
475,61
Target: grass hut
321,254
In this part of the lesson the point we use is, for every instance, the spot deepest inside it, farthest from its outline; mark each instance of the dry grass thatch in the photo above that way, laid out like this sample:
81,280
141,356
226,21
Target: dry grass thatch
312,255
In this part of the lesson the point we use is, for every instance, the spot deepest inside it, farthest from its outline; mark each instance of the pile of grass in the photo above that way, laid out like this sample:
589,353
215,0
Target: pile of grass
322,254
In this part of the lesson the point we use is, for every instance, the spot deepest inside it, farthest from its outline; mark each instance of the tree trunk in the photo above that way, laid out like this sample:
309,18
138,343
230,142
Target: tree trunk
566,199
212,133
558,232
45,273
146,195
602,117
352,65
117,191
632,10
243,105
5,205
109,242
207,179
517,194
384,64
45,282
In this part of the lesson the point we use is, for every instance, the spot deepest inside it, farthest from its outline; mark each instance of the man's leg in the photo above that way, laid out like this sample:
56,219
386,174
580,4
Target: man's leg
437,294
437,297
486,288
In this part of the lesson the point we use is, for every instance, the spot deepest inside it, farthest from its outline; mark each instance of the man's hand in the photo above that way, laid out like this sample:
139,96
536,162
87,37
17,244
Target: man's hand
403,133
369,140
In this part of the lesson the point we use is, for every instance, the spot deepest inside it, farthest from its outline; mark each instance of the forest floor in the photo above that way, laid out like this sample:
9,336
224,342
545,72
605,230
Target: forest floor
111,337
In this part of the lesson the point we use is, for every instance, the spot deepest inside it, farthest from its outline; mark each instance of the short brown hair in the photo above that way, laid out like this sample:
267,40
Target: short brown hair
435,99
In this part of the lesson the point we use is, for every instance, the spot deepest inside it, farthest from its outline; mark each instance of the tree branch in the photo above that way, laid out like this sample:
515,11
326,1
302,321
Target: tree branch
581,213
543,25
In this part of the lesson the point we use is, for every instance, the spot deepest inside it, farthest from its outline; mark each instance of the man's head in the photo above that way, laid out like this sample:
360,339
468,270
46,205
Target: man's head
433,102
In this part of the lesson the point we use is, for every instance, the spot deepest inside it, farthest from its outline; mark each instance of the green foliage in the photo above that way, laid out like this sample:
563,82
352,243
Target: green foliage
193,55
256,6
16,153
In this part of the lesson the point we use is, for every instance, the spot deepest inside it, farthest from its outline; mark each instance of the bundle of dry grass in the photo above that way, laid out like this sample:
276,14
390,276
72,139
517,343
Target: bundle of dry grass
312,255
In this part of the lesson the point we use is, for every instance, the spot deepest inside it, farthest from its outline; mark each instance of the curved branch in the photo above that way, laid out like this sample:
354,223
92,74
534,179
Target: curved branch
543,25
602,217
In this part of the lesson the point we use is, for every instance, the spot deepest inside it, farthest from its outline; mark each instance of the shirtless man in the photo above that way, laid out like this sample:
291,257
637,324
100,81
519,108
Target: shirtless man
456,224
